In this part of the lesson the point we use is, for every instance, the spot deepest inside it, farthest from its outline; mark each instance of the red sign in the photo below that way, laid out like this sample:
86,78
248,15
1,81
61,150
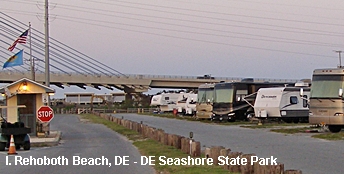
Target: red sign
45,114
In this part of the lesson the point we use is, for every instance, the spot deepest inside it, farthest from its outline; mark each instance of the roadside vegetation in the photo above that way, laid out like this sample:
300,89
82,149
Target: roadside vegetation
330,136
274,125
190,118
150,147
290,128
285,128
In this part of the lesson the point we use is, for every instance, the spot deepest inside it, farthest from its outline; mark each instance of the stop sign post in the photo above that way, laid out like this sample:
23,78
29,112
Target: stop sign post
45,114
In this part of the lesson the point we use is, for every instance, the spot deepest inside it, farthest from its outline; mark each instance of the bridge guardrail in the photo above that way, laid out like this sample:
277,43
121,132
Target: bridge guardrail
148,76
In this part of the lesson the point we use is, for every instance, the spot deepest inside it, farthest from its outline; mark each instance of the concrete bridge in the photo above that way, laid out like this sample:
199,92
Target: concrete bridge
127,83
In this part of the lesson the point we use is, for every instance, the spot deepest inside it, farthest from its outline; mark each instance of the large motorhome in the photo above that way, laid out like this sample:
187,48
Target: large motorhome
186,104
326,102
205,97
165,102
229,103
282,103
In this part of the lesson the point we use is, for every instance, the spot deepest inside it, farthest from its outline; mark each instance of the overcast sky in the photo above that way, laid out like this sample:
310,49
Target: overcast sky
226,38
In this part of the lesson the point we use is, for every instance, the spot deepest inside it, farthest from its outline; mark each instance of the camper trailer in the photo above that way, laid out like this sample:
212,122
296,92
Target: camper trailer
231,98
205,97
165,102
282,103
186,104
326,104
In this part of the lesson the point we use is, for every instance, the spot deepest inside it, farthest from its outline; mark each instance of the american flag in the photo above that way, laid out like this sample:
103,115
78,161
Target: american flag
20,39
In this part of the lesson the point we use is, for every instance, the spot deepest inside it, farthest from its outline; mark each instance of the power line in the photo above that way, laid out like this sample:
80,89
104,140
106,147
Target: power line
205,41
304,31
262,37
209,12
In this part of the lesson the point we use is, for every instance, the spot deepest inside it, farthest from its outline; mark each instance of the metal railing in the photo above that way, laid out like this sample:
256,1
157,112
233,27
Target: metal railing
148,76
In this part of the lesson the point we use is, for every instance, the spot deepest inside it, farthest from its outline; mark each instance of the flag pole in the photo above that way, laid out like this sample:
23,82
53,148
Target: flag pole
32,62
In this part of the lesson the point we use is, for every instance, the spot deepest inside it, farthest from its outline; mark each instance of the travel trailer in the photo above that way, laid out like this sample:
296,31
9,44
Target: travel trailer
165,102
205,97
186,104
326,104
229,103
282,103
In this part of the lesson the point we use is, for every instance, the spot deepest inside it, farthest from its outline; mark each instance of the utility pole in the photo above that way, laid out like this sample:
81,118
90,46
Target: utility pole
340,59
32,62
47,72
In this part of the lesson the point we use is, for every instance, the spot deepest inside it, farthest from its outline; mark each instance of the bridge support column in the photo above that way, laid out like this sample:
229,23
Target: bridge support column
129,98
135,99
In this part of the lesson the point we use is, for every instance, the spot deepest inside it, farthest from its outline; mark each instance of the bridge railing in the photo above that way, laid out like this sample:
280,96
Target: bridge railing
147,76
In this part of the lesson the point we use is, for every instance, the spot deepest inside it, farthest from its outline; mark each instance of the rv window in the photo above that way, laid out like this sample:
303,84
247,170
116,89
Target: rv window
293,100
167,98
305,104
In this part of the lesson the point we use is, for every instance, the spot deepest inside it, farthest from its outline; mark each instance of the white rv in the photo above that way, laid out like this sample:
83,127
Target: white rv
165,102
186,104
283,103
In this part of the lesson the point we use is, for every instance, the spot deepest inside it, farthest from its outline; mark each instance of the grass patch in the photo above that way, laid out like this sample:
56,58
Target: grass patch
330,136
290,130
190,118
170,115
272,125
244,124
153,148
150,147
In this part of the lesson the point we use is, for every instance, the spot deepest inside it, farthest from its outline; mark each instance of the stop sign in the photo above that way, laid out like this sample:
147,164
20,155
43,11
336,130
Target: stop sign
45,114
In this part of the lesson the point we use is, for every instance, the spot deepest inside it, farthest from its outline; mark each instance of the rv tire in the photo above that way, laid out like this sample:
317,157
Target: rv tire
2,146
334,128
287,120
17,146
27,145
231,120
295,120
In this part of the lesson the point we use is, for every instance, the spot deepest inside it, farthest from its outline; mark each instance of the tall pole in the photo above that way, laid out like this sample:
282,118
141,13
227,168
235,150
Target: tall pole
340,59
47,72
32,63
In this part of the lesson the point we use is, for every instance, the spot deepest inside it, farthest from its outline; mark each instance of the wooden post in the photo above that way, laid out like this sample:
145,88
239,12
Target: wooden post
169,140
248,168
166,141
161,136
207,152
215,153
130,125
224,153
234,168
196,149
185,145
176,141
